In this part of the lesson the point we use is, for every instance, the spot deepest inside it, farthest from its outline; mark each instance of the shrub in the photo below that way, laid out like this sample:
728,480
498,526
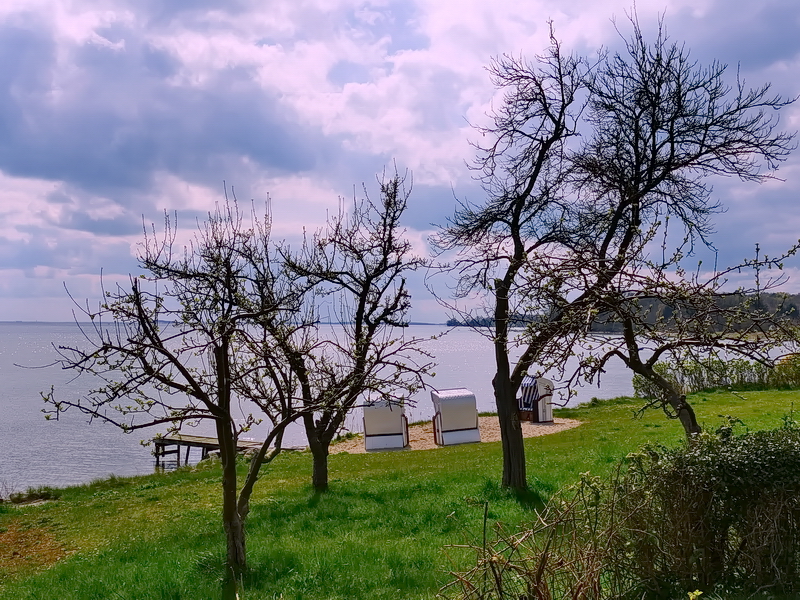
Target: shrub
723,510
719,513
787,373
714,373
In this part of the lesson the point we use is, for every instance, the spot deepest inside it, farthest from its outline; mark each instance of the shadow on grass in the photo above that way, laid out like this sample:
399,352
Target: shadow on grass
315,497
533,498
529,499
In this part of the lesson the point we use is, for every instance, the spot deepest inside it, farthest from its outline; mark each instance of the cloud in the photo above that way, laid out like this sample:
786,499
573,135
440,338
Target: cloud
51,256
753,34
105,111
115,111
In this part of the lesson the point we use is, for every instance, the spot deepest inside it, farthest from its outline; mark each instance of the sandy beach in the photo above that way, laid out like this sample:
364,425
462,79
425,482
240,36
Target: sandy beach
421,436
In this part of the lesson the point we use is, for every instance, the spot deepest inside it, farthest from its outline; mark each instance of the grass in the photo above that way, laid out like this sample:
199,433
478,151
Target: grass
382,531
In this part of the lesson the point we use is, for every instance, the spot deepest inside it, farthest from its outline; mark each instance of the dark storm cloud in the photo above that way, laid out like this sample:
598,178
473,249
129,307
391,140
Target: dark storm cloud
118,120
64,252
754,35
128,224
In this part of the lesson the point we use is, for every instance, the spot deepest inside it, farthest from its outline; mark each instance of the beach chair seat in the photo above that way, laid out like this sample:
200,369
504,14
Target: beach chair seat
385,426
536,402
455,419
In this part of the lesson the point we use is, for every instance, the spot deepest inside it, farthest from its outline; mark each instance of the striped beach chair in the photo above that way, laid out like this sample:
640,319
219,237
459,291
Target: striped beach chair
536,402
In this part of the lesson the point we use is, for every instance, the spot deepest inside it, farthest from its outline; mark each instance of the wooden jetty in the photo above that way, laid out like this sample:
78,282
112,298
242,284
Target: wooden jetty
164,446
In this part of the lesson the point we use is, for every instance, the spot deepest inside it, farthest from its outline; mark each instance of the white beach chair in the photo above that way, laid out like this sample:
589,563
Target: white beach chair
455,419
385,426
536,403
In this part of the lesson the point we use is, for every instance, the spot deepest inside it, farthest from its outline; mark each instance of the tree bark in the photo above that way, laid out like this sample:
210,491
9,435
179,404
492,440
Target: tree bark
231,520
670,396
319,444
234,533
505,397
685,414
232,523
319,475
683,409
514,475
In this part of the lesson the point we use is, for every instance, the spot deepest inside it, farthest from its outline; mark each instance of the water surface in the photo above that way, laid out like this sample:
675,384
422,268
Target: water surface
34,451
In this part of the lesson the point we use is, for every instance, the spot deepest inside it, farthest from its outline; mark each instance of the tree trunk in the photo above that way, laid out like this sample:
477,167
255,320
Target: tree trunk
676,401
232,523
231,520
236,560
263,457
319,475
671,395
234,529
319,444
514,475
685,414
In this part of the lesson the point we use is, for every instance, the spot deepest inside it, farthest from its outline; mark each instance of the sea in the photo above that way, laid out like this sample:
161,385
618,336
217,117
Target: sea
37,452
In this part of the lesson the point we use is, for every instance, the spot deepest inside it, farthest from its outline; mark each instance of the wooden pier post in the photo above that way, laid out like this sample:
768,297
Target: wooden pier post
179,441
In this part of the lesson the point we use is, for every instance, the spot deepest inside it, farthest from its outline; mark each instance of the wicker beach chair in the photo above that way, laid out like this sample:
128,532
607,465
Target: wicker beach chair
385,426
455,419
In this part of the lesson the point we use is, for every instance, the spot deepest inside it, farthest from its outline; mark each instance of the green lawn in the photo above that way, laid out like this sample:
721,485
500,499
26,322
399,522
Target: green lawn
382,531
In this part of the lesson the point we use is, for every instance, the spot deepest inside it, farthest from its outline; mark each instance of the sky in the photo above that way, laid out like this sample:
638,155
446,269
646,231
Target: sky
113,111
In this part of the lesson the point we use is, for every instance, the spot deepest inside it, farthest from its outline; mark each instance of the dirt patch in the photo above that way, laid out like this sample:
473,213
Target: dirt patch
421,436
24,549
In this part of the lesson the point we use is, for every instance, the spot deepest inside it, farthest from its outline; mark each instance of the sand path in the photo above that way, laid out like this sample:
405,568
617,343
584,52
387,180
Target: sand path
421,436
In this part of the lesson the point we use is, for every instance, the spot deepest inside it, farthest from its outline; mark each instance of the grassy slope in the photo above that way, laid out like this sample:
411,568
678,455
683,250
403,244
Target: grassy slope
380,532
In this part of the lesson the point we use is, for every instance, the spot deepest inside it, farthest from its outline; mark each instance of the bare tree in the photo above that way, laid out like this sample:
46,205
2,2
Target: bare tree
662,125
565,223
688,320
183,344
523,172
358,267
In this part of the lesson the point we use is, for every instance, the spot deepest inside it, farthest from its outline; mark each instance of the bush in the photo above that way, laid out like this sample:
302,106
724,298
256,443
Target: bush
714,373
723,510
719,513
786,374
